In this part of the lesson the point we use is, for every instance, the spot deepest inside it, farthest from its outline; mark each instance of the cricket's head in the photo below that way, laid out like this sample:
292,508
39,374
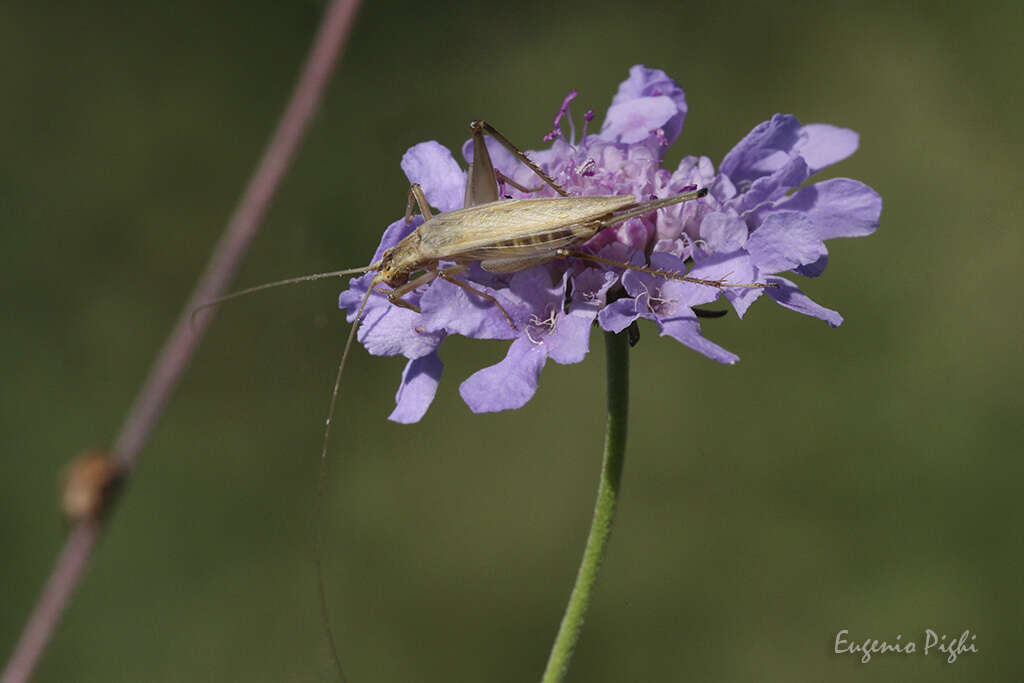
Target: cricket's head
397,262
389,271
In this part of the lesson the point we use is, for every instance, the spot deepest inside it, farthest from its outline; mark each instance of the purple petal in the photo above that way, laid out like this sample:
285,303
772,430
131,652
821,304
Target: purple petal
644,82
736,268
723,232
636,120
416,392
649,83
764,150
824,145
785,240
570,341
692,170
618,315
387,330
656,297
590,288
350,298
534,287
722,188
677,247
687,331
772,143
839,207
813,269
684,295
432,165
742,298
510,383
775,185
450,308
565,337
551,160
789,295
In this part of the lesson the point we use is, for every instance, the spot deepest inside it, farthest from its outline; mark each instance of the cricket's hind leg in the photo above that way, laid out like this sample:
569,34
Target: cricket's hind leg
449,275
417,197
502,178
482,185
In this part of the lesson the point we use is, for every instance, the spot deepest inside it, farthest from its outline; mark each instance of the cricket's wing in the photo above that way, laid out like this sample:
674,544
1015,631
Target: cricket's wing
513,264
516,228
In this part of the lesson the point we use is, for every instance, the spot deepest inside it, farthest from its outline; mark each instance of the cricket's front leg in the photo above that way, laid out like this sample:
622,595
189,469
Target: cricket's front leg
396,294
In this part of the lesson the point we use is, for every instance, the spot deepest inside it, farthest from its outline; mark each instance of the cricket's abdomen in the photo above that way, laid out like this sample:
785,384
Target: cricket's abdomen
515,225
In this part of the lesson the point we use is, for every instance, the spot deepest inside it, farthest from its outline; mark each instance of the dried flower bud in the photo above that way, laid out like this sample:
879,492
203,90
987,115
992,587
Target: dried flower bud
87,485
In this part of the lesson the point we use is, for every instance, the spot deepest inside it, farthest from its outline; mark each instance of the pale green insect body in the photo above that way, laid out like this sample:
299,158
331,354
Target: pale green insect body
510,235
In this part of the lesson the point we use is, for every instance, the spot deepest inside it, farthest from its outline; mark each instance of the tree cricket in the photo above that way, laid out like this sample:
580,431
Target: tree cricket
503,235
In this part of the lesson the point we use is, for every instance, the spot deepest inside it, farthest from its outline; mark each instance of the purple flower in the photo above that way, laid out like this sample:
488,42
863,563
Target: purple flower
754,224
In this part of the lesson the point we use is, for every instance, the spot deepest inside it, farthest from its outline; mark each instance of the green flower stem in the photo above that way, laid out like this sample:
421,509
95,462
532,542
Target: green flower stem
617,369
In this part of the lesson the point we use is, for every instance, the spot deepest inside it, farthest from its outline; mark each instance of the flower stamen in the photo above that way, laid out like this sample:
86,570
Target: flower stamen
652,302
547,327
564,111
587,118
587,168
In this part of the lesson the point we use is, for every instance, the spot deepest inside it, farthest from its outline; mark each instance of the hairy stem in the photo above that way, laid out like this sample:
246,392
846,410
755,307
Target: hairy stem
184,338
617,367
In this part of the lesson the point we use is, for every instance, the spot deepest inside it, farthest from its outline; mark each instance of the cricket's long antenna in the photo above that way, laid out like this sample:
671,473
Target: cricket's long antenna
321,485
278,283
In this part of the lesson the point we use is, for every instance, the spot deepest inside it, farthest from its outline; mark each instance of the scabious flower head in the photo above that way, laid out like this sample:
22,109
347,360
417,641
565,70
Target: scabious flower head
750,227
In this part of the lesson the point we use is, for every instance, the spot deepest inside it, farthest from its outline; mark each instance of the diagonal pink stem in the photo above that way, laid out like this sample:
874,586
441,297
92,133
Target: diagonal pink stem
184,338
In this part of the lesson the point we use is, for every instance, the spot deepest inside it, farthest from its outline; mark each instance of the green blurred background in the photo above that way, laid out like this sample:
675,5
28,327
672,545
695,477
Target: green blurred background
864,478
